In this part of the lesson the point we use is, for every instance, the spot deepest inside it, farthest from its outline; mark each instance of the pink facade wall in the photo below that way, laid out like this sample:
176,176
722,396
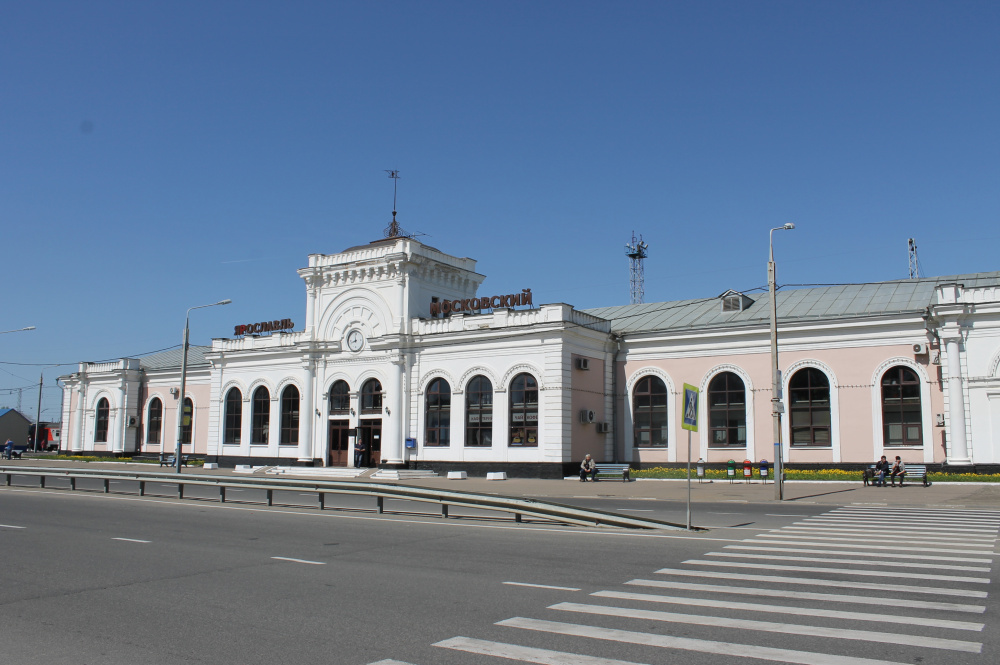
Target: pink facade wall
587,393
855,406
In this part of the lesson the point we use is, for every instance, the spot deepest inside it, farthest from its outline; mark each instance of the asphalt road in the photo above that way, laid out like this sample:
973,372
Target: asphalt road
92,579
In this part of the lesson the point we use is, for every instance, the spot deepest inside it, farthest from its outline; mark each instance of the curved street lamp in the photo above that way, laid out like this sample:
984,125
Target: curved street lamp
4,332
776,404
184,362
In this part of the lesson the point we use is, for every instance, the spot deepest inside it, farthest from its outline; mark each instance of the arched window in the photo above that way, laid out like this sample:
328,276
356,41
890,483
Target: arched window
727,411
187,421
233,431
649,413
437,414
901,416
260,418
101,424
524,411
479,412
371,396
154,421
289,416
340,399
809,403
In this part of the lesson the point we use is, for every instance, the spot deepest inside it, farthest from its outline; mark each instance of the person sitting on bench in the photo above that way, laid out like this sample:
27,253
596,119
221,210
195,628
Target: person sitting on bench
881,468
588,467
898,469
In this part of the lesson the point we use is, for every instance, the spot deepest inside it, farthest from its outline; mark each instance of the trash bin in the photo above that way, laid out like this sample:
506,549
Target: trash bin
731,470
701,470
747,470
764,468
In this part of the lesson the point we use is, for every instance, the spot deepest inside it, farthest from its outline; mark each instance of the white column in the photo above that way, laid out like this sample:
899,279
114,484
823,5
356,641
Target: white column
307,414
958,444
392,431
76,442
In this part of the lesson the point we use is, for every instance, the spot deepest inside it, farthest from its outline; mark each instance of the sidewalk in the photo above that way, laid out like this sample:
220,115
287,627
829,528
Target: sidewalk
984,496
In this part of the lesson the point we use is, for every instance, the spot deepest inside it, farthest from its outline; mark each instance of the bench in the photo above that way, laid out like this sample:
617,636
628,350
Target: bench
15,452
913,471
615,470
172,461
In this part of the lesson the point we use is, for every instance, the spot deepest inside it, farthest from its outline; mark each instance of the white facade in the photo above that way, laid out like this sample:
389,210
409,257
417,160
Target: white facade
372,315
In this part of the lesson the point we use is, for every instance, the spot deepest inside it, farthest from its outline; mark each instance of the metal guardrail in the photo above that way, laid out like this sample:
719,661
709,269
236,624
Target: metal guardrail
555,512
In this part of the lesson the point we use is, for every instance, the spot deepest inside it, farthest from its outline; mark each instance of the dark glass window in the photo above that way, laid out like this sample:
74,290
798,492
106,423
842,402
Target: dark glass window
809,406
101,425
524,411
371,396
479,412
234,417
727,411
340,398
901,416
260,418
437,414
154,421
289,416
649,413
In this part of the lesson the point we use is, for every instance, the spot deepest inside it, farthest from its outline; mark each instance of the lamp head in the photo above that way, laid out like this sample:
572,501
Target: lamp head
227,301
788,227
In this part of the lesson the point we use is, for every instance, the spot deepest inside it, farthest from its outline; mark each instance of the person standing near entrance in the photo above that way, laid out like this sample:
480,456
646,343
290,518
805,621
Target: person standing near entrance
359,451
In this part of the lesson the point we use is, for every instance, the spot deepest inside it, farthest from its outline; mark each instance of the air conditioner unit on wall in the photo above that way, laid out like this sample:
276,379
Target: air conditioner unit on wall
920,349
583,363
603,428
587,416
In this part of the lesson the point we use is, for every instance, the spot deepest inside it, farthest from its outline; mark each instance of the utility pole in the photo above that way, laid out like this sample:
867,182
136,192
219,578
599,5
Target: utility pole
38,414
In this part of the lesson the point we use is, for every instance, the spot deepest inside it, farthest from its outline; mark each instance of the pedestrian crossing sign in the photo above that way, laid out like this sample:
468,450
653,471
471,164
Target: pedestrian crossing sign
690,421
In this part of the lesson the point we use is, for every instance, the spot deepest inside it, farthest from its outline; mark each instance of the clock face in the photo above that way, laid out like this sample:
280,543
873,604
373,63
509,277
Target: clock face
355,340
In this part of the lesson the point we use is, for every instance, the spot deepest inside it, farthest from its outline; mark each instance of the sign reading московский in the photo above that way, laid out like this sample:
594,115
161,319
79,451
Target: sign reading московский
263,327
486,302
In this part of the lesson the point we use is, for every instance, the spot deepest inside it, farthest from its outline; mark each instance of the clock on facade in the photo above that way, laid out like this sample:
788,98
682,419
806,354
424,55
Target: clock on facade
355,340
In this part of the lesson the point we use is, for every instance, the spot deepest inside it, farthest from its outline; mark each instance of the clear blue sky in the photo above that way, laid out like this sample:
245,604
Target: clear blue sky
160,155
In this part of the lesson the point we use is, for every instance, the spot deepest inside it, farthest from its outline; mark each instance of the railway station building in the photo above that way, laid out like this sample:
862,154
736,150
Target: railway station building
402,350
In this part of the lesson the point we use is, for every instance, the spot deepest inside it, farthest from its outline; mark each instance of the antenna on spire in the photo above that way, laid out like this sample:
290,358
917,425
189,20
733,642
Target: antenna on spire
636,252
914,262
393,231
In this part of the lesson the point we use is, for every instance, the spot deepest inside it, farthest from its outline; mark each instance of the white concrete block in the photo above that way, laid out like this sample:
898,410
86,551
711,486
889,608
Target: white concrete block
211,465
457,475
496,475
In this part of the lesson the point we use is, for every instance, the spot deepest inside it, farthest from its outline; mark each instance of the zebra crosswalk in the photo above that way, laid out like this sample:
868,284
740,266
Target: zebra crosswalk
853,586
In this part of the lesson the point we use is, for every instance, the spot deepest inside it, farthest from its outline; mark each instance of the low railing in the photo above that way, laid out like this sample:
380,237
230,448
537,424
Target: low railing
519,508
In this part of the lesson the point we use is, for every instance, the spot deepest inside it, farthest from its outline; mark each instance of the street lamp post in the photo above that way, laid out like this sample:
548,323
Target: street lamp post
776,404
184,362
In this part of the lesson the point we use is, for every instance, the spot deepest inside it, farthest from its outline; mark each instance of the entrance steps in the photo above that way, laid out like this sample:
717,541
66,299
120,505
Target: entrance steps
403,474
329,472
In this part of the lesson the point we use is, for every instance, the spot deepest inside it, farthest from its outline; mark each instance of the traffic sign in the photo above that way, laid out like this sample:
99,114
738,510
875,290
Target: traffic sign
690,421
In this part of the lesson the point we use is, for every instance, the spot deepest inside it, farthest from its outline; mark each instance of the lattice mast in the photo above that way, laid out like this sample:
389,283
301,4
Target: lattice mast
914,262
636,252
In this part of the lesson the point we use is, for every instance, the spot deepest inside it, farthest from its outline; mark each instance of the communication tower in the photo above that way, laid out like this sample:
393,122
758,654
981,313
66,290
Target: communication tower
636,252
914,262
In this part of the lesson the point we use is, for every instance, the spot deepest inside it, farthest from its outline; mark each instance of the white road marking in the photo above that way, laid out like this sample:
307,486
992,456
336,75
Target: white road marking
897,539
848,552
11,526
771,627
389,661
894,548
688,644
810,595
938,538
940,591
525,654
798,611
542,586
906,521
900,531
132,540
312,563
781,515
838,571
942,512
868,562
865,525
